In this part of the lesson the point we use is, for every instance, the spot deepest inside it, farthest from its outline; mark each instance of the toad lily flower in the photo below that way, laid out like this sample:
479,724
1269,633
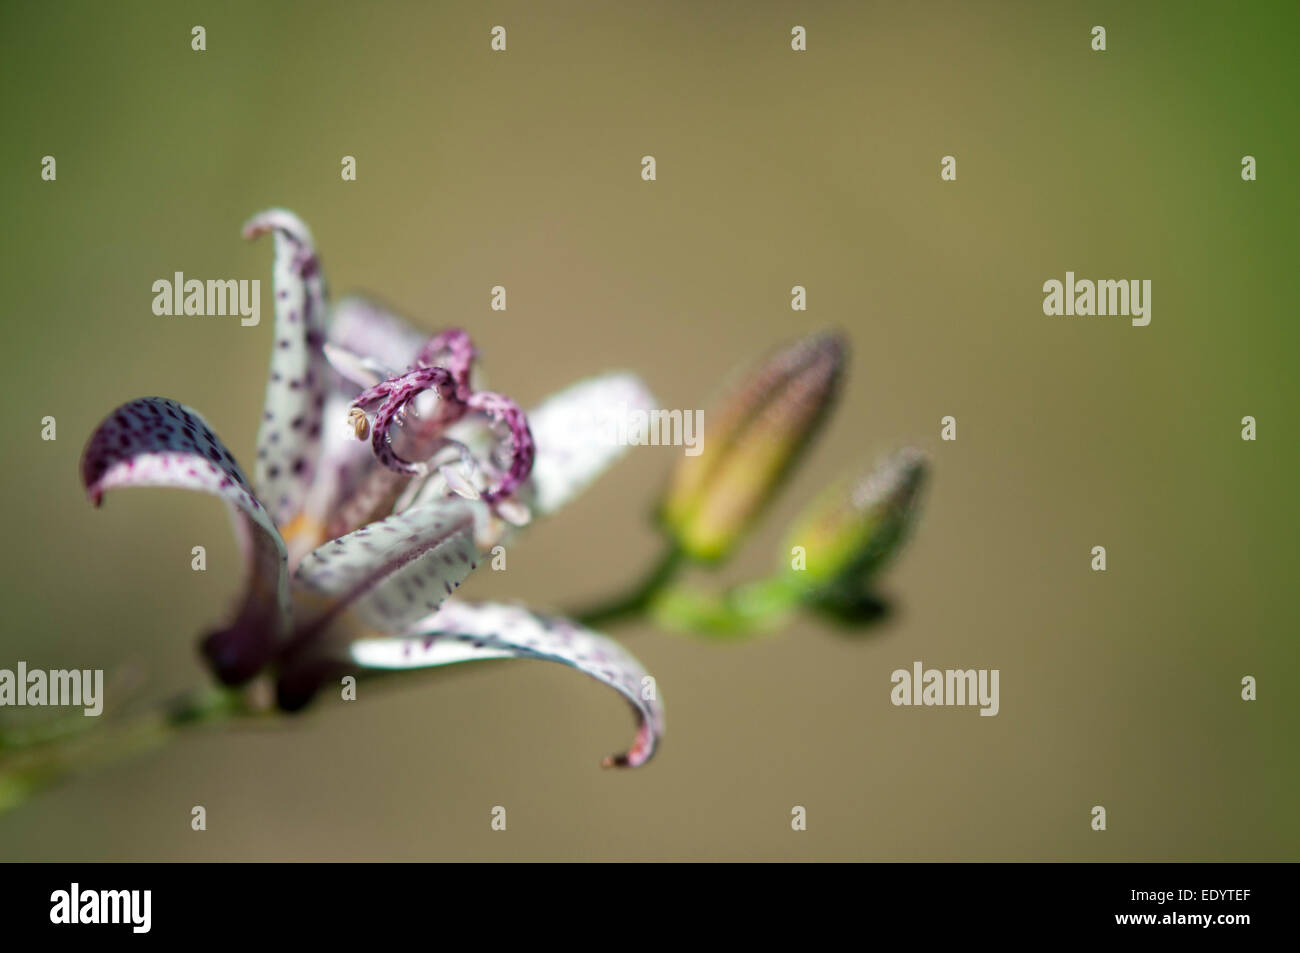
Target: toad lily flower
383,478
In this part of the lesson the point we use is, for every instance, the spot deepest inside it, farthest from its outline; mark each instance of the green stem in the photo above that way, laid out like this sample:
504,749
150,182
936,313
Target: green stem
35,761
637,600
737,612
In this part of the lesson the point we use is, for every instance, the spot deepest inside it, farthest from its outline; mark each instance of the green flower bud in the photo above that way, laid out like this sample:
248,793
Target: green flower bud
749,443
854,528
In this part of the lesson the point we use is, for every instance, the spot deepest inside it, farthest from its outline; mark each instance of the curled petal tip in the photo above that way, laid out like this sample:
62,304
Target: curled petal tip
621,761
462,632
281,219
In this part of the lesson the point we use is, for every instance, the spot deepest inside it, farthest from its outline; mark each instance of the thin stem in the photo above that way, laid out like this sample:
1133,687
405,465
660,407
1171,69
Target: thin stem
732,613
637,600
29,764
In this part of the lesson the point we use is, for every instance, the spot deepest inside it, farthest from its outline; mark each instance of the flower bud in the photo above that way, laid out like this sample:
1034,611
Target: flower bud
854,528
749,443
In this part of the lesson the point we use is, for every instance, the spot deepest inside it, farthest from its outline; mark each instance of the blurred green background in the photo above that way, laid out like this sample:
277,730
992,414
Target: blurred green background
775,168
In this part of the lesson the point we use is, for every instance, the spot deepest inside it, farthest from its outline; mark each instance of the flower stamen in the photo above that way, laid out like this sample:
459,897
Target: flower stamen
503,410
360,423
454,350
393,395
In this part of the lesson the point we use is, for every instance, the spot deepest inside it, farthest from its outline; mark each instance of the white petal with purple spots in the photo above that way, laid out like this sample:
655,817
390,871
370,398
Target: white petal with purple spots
288,442
467,632
361,327
154,441
572,437
398,569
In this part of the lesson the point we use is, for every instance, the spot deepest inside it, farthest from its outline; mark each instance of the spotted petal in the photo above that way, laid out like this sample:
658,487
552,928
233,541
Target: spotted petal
363,328
465,632
154,441
573,435
396,570
289,439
